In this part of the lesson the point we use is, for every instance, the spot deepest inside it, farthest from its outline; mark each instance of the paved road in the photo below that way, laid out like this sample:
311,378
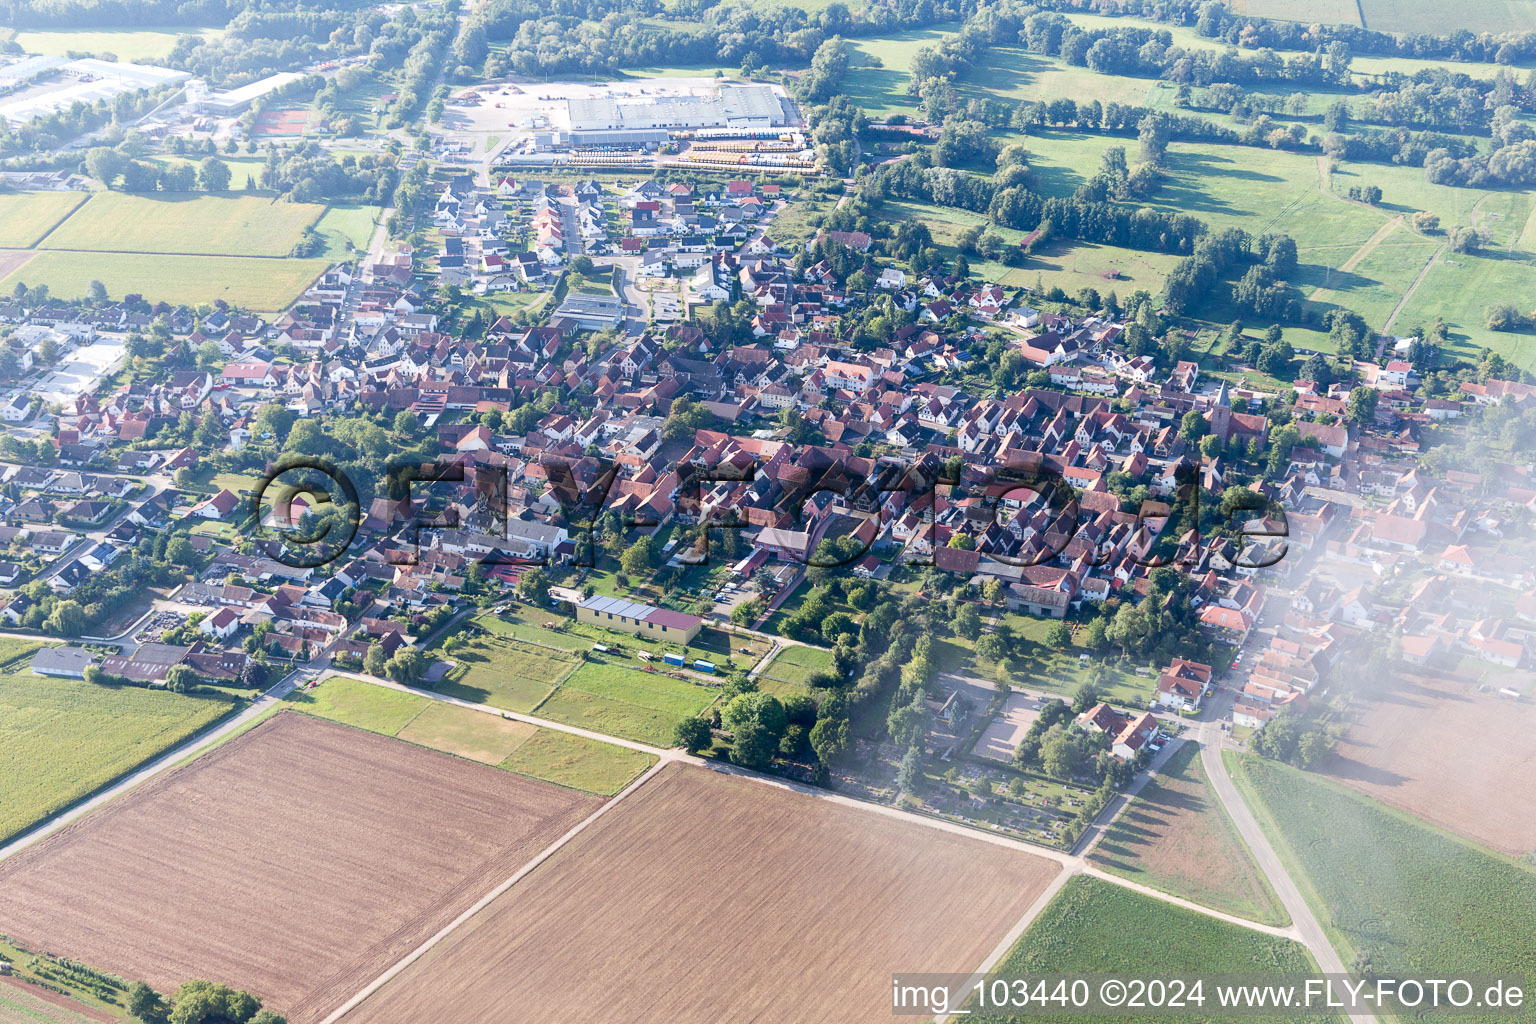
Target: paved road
1303,920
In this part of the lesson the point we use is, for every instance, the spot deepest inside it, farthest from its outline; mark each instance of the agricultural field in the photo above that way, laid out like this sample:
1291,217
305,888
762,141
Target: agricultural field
1176,837
1439,750
217,870
1095,927
195,224
25,217
259,284
1403,895
545,754
63,739
608,697
1428,17
22,1004
505,672
728,876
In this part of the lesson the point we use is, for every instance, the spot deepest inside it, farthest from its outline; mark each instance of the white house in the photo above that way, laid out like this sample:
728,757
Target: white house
222,624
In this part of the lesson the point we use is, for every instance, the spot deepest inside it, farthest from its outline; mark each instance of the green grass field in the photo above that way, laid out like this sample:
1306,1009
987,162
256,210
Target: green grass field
477,735
553,756
354,702
347,222
1176,837
262,285
527,624
26,217
1461,288
882,90
62,739
189,223
133,45
505,673
610,698
578,762
792,666
1094,927
1409,898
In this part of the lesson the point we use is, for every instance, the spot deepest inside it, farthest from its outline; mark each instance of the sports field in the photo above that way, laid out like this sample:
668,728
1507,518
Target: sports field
546,754
262,285
1391,890
1095,927
26,217
197,224
296,862
62,739
704,896
1176,837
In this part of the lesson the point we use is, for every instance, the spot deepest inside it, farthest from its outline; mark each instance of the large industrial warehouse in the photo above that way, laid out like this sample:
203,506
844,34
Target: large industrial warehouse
747,107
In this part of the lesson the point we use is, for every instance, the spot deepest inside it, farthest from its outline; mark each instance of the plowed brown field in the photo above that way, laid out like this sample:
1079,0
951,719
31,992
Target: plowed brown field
297,861
707,897
1433,746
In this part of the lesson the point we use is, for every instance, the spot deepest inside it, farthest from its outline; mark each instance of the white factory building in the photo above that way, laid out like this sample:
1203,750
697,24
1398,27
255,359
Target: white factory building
38,86
238,100
745,107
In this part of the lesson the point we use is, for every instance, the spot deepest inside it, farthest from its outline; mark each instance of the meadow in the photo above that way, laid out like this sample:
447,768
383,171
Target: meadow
1176,837
185,223
133,45
577,762
1095,927
792,666
574,762
1368,259
25,217
345,224
608,697
255,283
712,643
1392,891
880,66
63,739
504,672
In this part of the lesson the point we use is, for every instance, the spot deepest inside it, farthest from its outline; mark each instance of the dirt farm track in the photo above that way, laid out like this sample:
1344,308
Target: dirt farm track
709,897
1437,749
297,861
